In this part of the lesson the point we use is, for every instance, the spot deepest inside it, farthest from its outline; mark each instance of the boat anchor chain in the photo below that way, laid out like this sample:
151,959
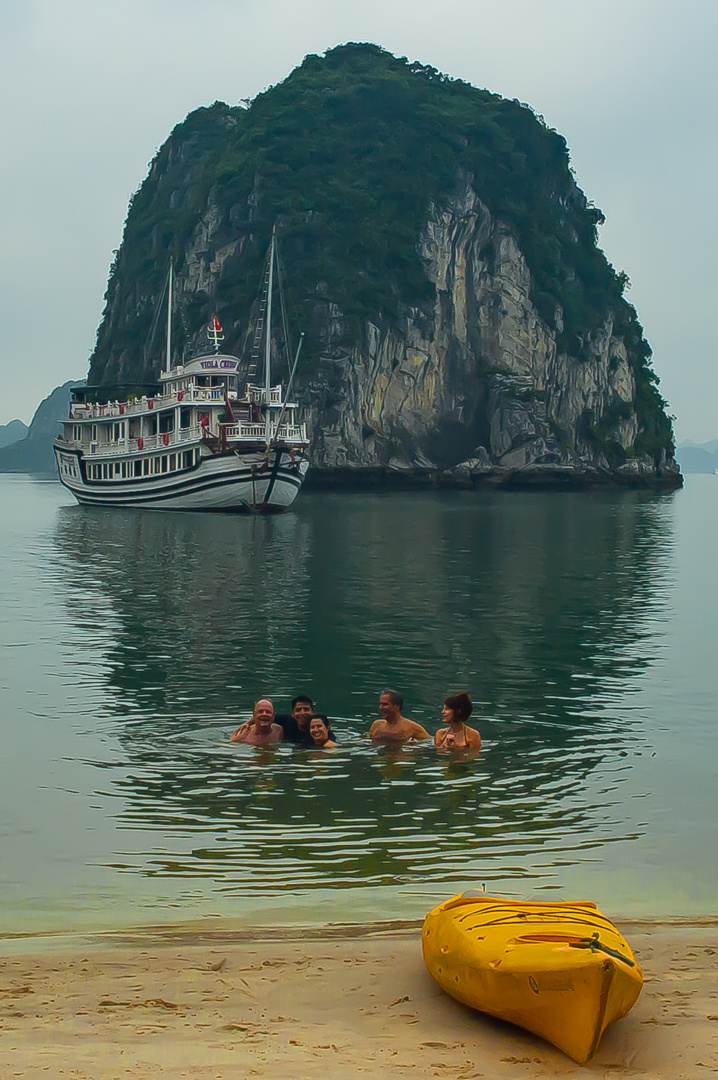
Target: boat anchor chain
593,944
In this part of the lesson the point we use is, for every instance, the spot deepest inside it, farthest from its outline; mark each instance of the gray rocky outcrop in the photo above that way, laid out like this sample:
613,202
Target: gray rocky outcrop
478,389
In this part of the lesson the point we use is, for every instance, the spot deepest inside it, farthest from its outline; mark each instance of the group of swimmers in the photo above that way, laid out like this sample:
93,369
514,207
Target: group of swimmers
305,727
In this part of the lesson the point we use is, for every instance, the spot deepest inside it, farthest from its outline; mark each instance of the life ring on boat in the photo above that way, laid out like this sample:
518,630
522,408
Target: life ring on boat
150,403
122,407
165,438
180,395
140,442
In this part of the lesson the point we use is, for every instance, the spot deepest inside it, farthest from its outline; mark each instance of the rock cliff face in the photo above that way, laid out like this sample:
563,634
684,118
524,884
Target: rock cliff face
478,389
472,363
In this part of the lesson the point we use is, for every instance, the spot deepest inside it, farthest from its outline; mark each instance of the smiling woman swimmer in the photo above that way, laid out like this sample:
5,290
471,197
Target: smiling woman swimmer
457,736
319,731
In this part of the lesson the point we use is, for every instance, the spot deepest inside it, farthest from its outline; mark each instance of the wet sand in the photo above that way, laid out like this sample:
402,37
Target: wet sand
345,1002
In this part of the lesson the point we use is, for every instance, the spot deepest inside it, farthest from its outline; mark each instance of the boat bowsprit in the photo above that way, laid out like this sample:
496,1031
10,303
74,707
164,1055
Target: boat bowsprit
560,970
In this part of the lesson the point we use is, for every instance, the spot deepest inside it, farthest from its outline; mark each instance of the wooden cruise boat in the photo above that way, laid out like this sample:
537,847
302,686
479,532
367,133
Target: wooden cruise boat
201,438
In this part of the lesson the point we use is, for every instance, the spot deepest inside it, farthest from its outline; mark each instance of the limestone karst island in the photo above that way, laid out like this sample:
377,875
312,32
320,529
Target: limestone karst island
462,326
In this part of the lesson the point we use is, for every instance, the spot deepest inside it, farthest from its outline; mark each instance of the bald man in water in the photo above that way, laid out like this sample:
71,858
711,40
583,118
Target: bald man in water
262,731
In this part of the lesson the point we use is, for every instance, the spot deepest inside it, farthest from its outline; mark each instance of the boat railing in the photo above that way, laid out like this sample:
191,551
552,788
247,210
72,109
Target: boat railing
80,410
258,394
292,431
244,431
259,431
162,441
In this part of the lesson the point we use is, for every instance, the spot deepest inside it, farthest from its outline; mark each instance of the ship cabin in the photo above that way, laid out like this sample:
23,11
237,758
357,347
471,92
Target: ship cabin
125,432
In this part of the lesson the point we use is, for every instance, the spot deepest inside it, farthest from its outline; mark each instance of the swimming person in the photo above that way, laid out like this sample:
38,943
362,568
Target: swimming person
261,730
393,727
294,725
457,736
319,730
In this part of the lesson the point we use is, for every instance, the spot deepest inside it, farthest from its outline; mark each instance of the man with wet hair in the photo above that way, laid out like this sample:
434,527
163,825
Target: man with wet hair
261,730
296,725
393,727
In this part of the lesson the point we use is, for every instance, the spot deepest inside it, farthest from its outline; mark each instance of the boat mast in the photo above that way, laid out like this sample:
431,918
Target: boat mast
268,339
169,321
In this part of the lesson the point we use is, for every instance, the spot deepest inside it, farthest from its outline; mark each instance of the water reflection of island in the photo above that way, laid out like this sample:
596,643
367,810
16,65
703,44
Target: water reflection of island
545,607
209,608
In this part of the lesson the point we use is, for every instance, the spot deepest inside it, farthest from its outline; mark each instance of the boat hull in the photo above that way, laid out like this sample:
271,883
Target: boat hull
532,963
231,482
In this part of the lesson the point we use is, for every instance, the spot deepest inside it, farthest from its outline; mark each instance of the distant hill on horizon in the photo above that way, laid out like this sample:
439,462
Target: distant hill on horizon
697,457
12,432
33,453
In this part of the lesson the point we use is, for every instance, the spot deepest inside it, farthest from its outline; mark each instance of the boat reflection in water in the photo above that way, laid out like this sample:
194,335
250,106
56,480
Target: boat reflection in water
545,607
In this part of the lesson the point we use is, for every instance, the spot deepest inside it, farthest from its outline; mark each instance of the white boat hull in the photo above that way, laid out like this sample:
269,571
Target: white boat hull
232,482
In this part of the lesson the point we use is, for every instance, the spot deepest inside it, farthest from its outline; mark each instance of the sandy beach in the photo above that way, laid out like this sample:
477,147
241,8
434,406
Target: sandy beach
210,1002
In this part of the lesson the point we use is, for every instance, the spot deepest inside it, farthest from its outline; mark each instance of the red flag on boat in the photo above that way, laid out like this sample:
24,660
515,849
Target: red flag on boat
215,325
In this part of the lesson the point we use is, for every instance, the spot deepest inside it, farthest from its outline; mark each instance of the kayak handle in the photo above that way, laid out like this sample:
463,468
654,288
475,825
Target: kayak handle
593,943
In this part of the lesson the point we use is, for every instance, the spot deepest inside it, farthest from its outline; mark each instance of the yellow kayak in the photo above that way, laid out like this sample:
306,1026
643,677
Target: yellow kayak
561,970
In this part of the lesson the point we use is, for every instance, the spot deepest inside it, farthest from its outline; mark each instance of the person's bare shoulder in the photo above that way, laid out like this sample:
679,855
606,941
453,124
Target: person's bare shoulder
377,729
241,733
418,732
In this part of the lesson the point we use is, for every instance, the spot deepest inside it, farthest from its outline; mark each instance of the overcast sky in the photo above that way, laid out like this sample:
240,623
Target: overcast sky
92,88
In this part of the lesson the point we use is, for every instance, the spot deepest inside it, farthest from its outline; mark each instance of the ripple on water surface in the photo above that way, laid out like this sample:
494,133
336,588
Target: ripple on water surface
147,635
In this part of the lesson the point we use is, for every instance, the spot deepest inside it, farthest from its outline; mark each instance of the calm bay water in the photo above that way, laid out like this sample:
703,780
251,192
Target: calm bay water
584,627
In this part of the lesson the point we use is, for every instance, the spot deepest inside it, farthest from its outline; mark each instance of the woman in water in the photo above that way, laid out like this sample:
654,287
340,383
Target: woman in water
318,729
457,736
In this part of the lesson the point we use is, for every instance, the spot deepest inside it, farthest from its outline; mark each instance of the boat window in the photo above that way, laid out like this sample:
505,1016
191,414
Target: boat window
146,466
157,464
173,462
185,418
138,468
164,463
